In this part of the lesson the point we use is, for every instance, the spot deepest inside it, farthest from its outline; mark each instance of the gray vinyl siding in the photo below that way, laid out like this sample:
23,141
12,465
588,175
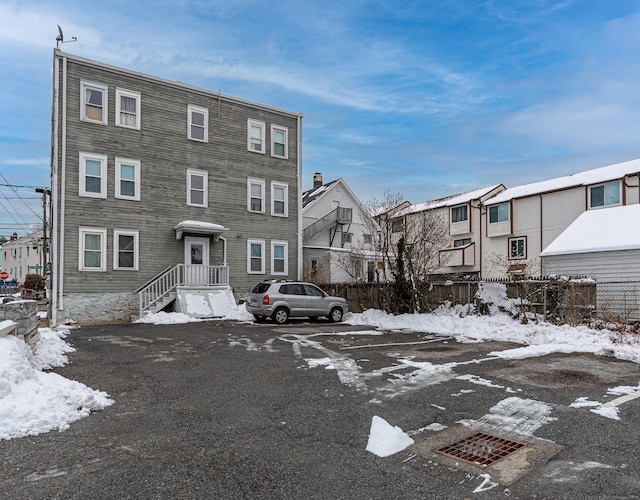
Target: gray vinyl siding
165,155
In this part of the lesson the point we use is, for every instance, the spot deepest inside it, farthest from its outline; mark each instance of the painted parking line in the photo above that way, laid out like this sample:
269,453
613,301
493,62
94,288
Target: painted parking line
392,344
622,399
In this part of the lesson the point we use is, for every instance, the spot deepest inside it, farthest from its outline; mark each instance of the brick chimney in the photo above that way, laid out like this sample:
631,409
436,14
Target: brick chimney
14,236
317,180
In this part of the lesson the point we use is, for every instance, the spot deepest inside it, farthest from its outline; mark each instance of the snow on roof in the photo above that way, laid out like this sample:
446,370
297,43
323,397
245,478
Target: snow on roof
198,227
586,178
602,230
314,193
456,199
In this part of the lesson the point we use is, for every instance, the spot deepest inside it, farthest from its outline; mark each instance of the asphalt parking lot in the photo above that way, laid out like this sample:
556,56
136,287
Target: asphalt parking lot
233,410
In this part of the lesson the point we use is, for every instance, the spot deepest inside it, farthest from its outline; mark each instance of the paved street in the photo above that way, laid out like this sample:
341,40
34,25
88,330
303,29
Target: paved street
229,410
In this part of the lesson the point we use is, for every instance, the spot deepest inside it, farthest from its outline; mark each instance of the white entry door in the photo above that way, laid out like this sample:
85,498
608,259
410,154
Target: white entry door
196,259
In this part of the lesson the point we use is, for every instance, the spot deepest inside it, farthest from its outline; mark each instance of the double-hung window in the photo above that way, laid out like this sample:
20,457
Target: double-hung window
397,225
279,195
125,250
255,136
604,195
92,252
279,261
255,195
127,109
279,141
127,179
94,98
93,176
517,248
255,256
499,213
460,213
198,123
197,188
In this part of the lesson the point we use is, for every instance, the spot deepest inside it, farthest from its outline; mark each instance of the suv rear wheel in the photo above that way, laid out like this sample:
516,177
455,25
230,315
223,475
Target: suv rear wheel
335,315
280,315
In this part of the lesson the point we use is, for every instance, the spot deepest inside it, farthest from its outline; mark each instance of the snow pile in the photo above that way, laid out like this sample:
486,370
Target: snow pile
494,297
231,312
539,339
168,318
32,401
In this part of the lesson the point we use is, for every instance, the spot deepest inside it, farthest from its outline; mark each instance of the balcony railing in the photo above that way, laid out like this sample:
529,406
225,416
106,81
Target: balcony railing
159,288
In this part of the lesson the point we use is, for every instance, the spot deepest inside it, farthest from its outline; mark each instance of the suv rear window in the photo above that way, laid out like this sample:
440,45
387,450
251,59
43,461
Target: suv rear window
261,288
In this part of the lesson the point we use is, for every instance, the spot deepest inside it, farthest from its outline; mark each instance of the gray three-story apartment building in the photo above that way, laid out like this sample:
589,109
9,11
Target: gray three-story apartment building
158,185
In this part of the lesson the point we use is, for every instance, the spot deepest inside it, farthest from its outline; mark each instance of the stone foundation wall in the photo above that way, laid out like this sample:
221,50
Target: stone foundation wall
24,313
98,307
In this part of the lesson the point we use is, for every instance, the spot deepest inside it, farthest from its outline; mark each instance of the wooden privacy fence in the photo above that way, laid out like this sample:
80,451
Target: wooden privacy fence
559,300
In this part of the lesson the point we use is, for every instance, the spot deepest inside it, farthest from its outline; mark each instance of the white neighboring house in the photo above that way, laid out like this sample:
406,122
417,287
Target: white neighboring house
338,235
22,256
524,220
463,218
602,244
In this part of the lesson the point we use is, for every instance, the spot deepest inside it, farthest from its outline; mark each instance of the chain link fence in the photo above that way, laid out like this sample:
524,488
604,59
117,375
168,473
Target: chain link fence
562,301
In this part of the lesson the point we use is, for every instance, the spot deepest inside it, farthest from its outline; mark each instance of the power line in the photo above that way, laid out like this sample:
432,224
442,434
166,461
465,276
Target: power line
14,189
17,185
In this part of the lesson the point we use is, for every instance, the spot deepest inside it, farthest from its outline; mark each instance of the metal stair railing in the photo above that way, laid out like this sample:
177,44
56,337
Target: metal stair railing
180,275
338,215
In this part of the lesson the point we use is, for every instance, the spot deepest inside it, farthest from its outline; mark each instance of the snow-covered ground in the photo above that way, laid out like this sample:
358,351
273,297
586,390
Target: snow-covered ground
33,400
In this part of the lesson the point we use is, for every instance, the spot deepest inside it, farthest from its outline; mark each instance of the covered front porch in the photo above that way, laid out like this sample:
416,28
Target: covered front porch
195,284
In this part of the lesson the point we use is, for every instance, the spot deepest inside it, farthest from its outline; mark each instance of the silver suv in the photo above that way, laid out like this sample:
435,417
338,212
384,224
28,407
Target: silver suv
282,299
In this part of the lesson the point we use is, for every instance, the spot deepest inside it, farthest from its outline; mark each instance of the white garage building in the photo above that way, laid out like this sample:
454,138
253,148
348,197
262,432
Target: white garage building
603,245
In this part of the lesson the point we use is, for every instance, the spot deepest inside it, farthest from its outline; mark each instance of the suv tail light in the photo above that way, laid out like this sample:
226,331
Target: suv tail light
265,300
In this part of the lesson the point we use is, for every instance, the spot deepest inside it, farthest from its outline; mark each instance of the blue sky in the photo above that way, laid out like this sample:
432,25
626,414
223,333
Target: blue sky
425,98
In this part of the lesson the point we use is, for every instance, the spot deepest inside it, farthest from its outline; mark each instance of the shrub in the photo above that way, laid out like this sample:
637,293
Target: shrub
34,282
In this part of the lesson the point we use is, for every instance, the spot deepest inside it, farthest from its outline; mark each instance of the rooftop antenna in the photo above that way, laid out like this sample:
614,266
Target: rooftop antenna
60,38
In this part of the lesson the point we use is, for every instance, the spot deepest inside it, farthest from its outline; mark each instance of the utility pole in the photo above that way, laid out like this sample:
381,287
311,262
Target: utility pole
45,244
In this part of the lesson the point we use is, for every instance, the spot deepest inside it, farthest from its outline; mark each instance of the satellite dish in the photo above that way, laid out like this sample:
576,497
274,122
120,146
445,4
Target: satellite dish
60,38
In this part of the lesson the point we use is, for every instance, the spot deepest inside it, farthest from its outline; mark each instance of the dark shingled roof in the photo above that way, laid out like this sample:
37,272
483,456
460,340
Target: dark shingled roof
315,193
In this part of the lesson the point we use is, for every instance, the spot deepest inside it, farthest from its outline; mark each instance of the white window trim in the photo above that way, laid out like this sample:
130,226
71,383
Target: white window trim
285,244
83,157
136,178
275,185
286,141
205,112
105,102
605,205
82,231
205,183
262,125
262,259
127,93
116,248
262,184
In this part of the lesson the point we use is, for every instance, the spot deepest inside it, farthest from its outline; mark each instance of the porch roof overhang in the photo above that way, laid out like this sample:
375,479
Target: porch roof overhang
198,227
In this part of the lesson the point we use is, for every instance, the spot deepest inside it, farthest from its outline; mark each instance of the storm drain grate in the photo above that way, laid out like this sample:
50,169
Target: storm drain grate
480,449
